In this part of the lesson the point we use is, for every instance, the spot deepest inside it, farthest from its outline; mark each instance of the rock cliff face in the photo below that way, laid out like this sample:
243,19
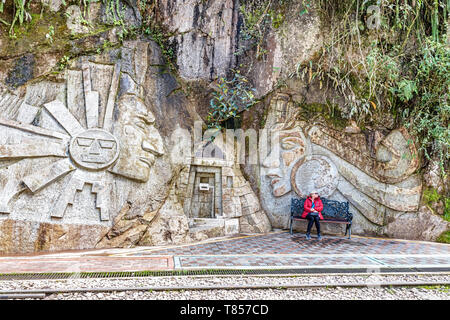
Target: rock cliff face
204,34
101,142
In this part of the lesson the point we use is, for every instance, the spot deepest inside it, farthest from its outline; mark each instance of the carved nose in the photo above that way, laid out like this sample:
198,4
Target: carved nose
153,142
147,146
95,148
154,148
271,161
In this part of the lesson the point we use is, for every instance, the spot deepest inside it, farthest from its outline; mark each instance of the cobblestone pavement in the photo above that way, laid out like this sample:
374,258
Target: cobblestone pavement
282,250
276,250
84,264
284,243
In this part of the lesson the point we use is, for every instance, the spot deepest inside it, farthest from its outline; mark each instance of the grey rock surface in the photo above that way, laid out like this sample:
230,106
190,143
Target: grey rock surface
97,136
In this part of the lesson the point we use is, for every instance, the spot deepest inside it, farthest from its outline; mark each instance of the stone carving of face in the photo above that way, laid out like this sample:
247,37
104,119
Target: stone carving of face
140,141
94,149
277,166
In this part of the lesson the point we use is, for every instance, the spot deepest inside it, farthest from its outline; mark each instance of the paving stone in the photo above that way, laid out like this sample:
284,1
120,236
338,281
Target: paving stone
277,249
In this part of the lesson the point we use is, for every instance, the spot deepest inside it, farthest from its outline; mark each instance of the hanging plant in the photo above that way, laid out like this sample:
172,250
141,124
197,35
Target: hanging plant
229,99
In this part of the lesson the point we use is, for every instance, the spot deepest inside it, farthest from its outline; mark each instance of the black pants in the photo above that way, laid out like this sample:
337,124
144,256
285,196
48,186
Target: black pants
312,220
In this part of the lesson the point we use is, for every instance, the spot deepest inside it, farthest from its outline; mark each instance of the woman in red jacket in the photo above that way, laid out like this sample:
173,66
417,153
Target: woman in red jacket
313,212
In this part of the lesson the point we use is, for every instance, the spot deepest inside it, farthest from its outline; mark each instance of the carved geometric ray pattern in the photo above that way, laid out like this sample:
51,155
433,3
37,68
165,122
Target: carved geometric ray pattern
87,152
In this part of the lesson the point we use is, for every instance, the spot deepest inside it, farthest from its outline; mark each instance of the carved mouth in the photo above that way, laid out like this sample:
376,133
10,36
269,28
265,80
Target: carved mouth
274,179
147,161
93,159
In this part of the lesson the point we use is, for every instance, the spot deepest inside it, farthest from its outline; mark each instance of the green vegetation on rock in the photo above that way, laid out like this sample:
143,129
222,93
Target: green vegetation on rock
329,112
444,237
259,16
431,196
230,97
389,57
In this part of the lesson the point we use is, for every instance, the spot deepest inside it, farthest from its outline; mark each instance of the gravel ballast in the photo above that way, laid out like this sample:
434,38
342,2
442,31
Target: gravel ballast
369,292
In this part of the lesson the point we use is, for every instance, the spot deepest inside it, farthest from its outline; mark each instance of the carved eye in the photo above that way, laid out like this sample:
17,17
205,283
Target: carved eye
106,144
130,131
290,143
140,124
84,142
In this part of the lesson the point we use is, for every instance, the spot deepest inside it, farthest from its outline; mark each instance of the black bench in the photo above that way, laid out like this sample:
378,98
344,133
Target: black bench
333,212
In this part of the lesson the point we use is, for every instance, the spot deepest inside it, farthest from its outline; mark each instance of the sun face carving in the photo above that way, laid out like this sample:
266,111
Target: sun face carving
94,149
93,153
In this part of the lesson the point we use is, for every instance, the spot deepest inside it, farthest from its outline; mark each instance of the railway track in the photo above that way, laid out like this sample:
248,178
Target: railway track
196,284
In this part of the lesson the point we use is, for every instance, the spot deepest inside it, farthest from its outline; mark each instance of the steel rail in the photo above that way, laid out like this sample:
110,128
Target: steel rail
22,296
41,293
217,273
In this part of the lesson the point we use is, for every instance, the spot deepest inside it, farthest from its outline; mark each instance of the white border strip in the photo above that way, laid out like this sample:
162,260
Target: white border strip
334,266
381,255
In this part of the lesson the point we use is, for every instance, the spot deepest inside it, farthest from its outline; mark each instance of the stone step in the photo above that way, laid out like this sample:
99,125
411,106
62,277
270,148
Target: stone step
210,231
211,227
207,222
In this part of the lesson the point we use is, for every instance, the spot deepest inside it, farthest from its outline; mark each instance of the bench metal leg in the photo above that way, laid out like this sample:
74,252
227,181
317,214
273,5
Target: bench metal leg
348,229
290,225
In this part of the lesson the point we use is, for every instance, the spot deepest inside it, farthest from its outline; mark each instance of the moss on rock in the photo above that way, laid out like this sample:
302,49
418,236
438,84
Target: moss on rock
329,112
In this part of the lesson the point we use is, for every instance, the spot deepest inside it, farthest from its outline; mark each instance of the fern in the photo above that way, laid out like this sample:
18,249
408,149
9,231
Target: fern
406,89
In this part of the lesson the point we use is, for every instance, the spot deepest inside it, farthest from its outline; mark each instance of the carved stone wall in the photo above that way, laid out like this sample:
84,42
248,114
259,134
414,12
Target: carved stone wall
75,152
381,186
90,156
89,161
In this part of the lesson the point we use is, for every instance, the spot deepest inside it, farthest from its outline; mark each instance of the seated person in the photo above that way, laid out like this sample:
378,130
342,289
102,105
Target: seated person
313,212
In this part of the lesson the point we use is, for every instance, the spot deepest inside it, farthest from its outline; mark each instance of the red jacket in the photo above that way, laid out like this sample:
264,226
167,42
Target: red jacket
318,206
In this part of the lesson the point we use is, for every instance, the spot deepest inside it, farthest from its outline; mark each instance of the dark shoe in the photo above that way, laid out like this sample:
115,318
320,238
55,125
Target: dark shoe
308,237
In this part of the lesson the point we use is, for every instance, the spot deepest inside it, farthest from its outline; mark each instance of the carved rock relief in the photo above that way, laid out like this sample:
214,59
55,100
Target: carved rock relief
396,156
84,156
339,165
79,134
